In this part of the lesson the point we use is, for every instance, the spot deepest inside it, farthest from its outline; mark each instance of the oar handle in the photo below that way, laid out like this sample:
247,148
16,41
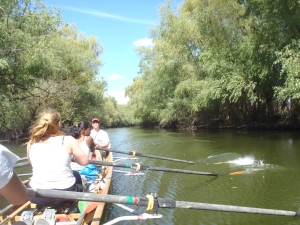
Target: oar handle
144,155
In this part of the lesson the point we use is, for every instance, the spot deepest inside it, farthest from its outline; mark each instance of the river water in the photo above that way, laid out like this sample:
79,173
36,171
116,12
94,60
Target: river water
266,168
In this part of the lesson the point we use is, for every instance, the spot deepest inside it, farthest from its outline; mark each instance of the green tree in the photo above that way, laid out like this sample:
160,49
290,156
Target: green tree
231,61
45,63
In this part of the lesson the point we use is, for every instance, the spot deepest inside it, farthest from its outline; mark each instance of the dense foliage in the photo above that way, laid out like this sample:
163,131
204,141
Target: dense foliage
224,62
212,62
45,63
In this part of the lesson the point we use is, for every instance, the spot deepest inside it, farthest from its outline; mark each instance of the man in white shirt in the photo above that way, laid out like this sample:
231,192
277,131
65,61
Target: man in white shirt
99,136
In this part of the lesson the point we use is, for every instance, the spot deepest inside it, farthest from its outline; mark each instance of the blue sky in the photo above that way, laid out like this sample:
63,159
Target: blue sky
120,26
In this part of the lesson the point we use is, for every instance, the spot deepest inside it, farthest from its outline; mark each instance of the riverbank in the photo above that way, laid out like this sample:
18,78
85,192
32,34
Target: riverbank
254,127
22,140
250,127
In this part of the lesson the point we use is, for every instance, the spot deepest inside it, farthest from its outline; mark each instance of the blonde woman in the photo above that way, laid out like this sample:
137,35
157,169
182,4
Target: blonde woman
49,152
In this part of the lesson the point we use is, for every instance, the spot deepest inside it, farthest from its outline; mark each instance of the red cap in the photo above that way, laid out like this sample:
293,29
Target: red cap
95,120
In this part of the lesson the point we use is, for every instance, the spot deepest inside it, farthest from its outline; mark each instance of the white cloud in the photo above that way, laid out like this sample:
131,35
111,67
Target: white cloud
144,42
119,96
123,101
115,77
107,15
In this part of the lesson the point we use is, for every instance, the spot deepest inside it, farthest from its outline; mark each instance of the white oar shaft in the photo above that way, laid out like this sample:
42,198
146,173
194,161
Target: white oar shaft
130,218
6,209
231,208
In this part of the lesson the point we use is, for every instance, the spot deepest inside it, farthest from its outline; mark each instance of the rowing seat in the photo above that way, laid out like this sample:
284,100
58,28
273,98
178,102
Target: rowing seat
48,218
27,216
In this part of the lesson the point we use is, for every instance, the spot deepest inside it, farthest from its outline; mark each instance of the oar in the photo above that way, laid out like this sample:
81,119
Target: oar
137,215
144,155
158,202
125,174
2,211
138,167
21,164
24,174
141,167
90,207
207,163
236,173
20,159
12,215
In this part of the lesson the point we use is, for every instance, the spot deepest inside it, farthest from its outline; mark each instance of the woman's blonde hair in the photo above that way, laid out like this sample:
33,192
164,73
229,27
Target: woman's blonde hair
46,126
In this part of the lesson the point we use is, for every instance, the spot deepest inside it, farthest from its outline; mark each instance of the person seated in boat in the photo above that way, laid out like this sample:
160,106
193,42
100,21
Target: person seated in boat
74,132
11,187
81,132
49,152
100,136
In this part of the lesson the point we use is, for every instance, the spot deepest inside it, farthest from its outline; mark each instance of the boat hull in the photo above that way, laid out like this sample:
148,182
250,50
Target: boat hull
93,217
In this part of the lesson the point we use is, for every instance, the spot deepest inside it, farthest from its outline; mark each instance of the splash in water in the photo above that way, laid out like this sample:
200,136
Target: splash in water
244,164
250,165
243,161
222,157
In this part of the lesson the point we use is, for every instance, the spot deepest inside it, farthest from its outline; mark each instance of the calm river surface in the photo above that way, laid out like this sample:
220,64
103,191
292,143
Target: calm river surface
269,163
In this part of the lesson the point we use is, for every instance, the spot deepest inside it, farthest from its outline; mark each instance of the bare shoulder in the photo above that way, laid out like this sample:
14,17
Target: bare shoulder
89,138
70,138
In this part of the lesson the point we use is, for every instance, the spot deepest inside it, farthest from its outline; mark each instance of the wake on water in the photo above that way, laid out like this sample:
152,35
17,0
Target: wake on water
247,163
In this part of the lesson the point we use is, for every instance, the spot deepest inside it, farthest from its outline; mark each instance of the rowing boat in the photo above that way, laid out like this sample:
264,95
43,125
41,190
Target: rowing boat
28,213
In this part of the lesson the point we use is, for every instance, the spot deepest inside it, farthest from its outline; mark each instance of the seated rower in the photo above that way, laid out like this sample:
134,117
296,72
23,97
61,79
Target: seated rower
81,133
49,152
11,187
100,137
